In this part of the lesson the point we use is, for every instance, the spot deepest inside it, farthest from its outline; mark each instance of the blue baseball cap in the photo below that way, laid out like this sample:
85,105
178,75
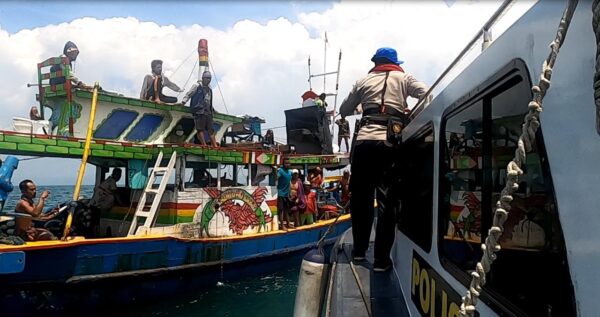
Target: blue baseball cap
386,55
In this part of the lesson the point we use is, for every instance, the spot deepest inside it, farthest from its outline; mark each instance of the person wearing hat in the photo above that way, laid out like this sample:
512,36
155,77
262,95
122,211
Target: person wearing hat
154,83
70,52
201,97
375,155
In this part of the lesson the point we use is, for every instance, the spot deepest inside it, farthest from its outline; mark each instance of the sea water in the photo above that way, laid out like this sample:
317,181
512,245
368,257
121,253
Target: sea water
269,293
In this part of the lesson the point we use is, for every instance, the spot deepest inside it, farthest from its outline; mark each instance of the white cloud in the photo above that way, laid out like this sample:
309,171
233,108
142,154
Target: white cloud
262,68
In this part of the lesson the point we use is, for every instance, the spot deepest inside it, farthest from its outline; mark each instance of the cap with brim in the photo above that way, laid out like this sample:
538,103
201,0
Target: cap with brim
386,55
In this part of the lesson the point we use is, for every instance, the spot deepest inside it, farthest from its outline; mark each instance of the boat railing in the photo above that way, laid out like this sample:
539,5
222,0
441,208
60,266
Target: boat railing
484,32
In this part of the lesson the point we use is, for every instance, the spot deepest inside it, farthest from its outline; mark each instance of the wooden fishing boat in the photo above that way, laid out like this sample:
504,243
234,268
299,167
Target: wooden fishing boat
167,223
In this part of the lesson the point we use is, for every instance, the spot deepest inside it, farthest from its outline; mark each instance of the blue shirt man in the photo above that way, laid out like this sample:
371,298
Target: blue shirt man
284,176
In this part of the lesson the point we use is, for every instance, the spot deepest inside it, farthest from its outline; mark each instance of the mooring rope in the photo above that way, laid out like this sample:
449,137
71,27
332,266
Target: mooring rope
513,169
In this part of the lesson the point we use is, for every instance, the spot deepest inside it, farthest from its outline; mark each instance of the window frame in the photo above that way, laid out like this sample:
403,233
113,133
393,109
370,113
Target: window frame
424,130
504,79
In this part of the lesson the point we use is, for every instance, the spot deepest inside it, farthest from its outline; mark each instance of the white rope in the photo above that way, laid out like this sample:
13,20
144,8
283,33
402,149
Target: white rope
513,170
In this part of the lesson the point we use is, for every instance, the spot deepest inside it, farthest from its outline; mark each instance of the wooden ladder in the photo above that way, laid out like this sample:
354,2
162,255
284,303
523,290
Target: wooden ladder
149,212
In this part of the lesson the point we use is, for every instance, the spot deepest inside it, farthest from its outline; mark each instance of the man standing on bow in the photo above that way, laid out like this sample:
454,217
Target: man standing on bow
376,155
154,83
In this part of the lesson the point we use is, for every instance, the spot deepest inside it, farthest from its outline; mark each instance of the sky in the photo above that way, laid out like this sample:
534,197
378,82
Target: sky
258,49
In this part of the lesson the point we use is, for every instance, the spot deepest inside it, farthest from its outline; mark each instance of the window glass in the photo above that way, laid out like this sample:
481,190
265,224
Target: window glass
479,141
416,210
115,124
144,128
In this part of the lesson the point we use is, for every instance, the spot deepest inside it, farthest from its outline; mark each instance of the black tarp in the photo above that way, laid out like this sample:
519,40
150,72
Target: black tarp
308,130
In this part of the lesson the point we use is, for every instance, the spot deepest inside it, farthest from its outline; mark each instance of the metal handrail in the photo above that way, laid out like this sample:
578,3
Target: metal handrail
421,104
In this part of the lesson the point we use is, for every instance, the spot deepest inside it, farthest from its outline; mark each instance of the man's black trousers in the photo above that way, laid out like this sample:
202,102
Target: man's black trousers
374,170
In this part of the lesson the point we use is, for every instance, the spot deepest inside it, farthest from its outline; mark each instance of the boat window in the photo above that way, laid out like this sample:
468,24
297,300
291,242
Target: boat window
200,175
187,125
114,125
478,142
261,175
417,197
144,128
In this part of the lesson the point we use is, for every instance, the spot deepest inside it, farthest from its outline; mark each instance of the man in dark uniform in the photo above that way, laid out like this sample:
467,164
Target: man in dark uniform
383,94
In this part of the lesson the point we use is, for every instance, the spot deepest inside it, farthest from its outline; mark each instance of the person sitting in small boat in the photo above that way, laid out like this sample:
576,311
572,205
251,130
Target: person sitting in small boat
34,114
297,200
26,205
104,198
154,83
201,105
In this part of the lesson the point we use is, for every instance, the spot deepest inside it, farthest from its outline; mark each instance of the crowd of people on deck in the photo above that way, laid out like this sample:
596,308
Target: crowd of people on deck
300,198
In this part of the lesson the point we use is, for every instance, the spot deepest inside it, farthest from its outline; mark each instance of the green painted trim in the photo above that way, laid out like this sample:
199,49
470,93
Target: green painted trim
113,147
184,219
1,137
124,155
8,146
102,153
74,151
150,150
58,149
120,100
239,160
83,94
237,154
96,146
229,159
31,147
17,139
74,144
102,97
163,107
148,104
43,141
195,151
142,156
213,152
135,102
132,149
215,158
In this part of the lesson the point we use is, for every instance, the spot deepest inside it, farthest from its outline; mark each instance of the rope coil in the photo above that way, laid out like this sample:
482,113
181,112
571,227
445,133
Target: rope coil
513,169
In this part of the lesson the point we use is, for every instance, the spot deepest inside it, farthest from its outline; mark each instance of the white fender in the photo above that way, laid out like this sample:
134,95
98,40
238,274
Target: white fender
311,285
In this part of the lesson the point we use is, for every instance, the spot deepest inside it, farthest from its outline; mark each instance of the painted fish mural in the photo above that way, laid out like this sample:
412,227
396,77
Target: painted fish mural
242,208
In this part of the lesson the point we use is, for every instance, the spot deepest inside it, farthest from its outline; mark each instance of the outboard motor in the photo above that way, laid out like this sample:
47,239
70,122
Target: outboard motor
313,276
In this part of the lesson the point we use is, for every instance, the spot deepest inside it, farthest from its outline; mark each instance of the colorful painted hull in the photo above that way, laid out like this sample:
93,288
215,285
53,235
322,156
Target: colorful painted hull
88,261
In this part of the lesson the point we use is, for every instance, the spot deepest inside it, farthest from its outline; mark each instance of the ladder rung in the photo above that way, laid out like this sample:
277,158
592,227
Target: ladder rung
152,190
160,170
